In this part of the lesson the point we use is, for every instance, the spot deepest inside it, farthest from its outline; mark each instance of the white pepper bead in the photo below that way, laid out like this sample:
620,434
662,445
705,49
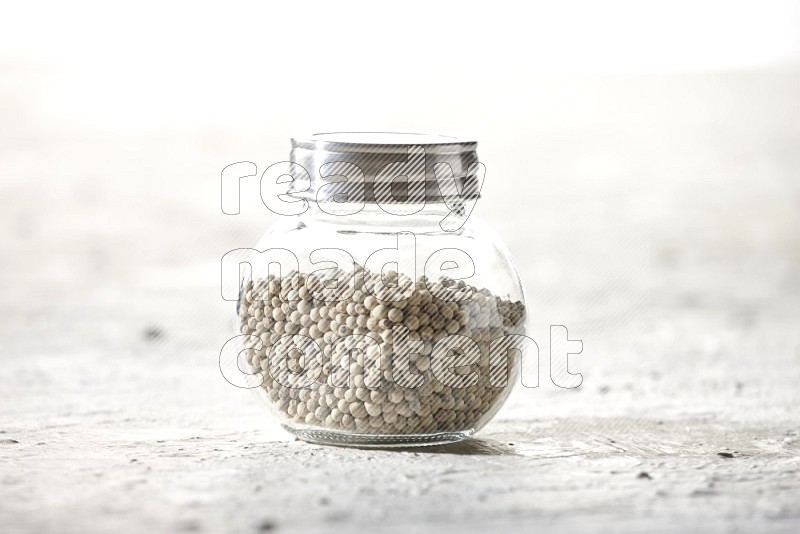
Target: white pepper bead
424,319
362,423
389,417
379,312
376,422
372,408
357,410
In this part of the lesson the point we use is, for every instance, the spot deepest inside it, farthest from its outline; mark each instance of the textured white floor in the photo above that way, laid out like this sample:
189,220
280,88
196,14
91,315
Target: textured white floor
656,216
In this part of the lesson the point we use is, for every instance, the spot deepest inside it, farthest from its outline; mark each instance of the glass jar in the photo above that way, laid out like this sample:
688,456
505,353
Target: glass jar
383,314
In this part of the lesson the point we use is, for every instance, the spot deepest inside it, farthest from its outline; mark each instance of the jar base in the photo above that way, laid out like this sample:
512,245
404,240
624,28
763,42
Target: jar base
376,441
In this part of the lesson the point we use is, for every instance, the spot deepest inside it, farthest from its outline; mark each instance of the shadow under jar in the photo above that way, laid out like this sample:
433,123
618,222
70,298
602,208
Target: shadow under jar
384,314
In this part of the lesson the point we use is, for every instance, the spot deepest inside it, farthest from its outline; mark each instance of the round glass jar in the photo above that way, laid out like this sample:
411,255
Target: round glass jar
383,314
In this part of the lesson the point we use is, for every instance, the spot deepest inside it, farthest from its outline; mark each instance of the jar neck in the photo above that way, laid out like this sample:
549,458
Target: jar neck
390,218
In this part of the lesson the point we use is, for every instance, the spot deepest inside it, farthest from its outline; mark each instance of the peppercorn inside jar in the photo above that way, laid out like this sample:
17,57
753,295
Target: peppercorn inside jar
382,314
